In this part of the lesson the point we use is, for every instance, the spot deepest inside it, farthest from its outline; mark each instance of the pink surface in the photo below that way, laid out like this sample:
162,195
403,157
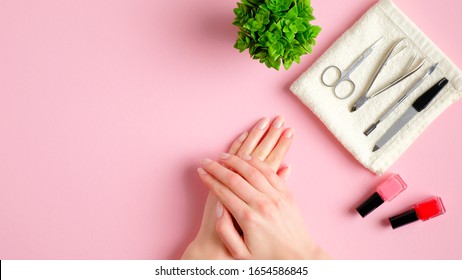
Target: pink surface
107,106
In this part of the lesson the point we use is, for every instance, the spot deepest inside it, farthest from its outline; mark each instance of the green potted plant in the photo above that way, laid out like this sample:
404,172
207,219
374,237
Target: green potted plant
275,31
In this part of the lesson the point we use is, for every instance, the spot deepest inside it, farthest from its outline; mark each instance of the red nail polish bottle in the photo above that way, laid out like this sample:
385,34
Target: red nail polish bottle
423,211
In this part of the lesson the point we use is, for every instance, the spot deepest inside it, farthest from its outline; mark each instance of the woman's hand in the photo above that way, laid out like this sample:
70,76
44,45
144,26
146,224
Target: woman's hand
267,141
257,197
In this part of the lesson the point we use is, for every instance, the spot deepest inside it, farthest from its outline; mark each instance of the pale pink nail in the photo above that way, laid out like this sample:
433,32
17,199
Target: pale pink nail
206,161
219,209
242,137
225,156
263,123
201,171
278,122
246,157
289,132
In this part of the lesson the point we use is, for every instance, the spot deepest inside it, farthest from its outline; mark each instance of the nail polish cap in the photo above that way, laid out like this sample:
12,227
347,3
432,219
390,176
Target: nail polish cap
403,219
370,204
391,187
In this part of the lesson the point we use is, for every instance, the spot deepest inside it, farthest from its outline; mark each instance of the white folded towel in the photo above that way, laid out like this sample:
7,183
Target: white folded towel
383,19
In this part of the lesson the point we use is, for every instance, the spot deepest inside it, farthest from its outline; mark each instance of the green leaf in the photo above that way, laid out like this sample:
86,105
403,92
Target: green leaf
314,31
275,31
288,63
292,13
279,5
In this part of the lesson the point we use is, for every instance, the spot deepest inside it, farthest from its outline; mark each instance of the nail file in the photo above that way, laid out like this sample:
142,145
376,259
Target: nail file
418,105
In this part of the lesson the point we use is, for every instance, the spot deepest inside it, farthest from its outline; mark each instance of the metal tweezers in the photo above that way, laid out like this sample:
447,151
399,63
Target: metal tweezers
389,55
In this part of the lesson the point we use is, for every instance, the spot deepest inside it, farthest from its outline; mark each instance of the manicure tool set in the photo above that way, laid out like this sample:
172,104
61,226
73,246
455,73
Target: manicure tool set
344,87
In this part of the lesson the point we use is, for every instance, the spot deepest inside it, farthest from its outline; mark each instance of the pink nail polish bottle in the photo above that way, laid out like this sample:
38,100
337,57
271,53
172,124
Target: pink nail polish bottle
386,191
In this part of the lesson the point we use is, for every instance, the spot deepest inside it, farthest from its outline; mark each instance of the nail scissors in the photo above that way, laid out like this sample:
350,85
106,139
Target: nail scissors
344,76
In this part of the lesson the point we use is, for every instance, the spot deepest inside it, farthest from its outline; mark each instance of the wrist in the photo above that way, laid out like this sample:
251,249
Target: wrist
317,253
191,252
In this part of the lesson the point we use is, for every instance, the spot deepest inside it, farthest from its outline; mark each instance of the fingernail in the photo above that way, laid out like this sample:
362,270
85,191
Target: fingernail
201,171
278,122
242,137
289,132
225,156
219,209
206,161
246,157
263,123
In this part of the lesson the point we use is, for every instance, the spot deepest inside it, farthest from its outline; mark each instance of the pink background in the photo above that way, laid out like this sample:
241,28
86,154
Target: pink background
107,106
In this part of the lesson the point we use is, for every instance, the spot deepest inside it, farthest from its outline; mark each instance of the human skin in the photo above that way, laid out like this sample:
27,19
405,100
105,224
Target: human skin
271,221
267,141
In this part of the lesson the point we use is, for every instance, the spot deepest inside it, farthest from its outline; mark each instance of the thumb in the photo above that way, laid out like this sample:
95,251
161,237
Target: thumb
228,233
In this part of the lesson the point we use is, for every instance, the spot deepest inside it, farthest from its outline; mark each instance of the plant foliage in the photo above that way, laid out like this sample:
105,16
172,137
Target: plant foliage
275,31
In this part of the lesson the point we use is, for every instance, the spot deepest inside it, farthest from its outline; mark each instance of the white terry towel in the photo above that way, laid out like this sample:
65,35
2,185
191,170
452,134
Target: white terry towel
383,19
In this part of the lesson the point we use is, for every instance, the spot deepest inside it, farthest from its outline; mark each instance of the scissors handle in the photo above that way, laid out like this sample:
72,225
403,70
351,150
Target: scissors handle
344,94
341,77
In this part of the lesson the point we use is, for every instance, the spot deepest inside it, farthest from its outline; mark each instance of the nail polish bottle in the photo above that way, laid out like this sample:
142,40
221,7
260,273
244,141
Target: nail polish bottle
386,191
423,211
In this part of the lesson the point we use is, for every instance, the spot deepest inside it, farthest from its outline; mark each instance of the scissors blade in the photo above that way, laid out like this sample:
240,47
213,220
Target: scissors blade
376,42
364,55
369,50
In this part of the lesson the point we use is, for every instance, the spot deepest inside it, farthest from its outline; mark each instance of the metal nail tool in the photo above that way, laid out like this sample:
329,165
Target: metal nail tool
418,105
344,76
389,56
405,95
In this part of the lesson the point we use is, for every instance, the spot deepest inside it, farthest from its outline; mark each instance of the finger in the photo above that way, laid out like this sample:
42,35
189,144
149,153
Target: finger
284,172
230,180
237,144
229,235
254,137
276,157
271,177
223,193
253,176
209,211
270,140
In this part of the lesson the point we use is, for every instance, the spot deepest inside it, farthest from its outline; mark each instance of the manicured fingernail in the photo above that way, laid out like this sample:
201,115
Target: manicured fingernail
289,132
219,209
201,171
278,122
246,157
206,161
242,137
225,156
263,123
